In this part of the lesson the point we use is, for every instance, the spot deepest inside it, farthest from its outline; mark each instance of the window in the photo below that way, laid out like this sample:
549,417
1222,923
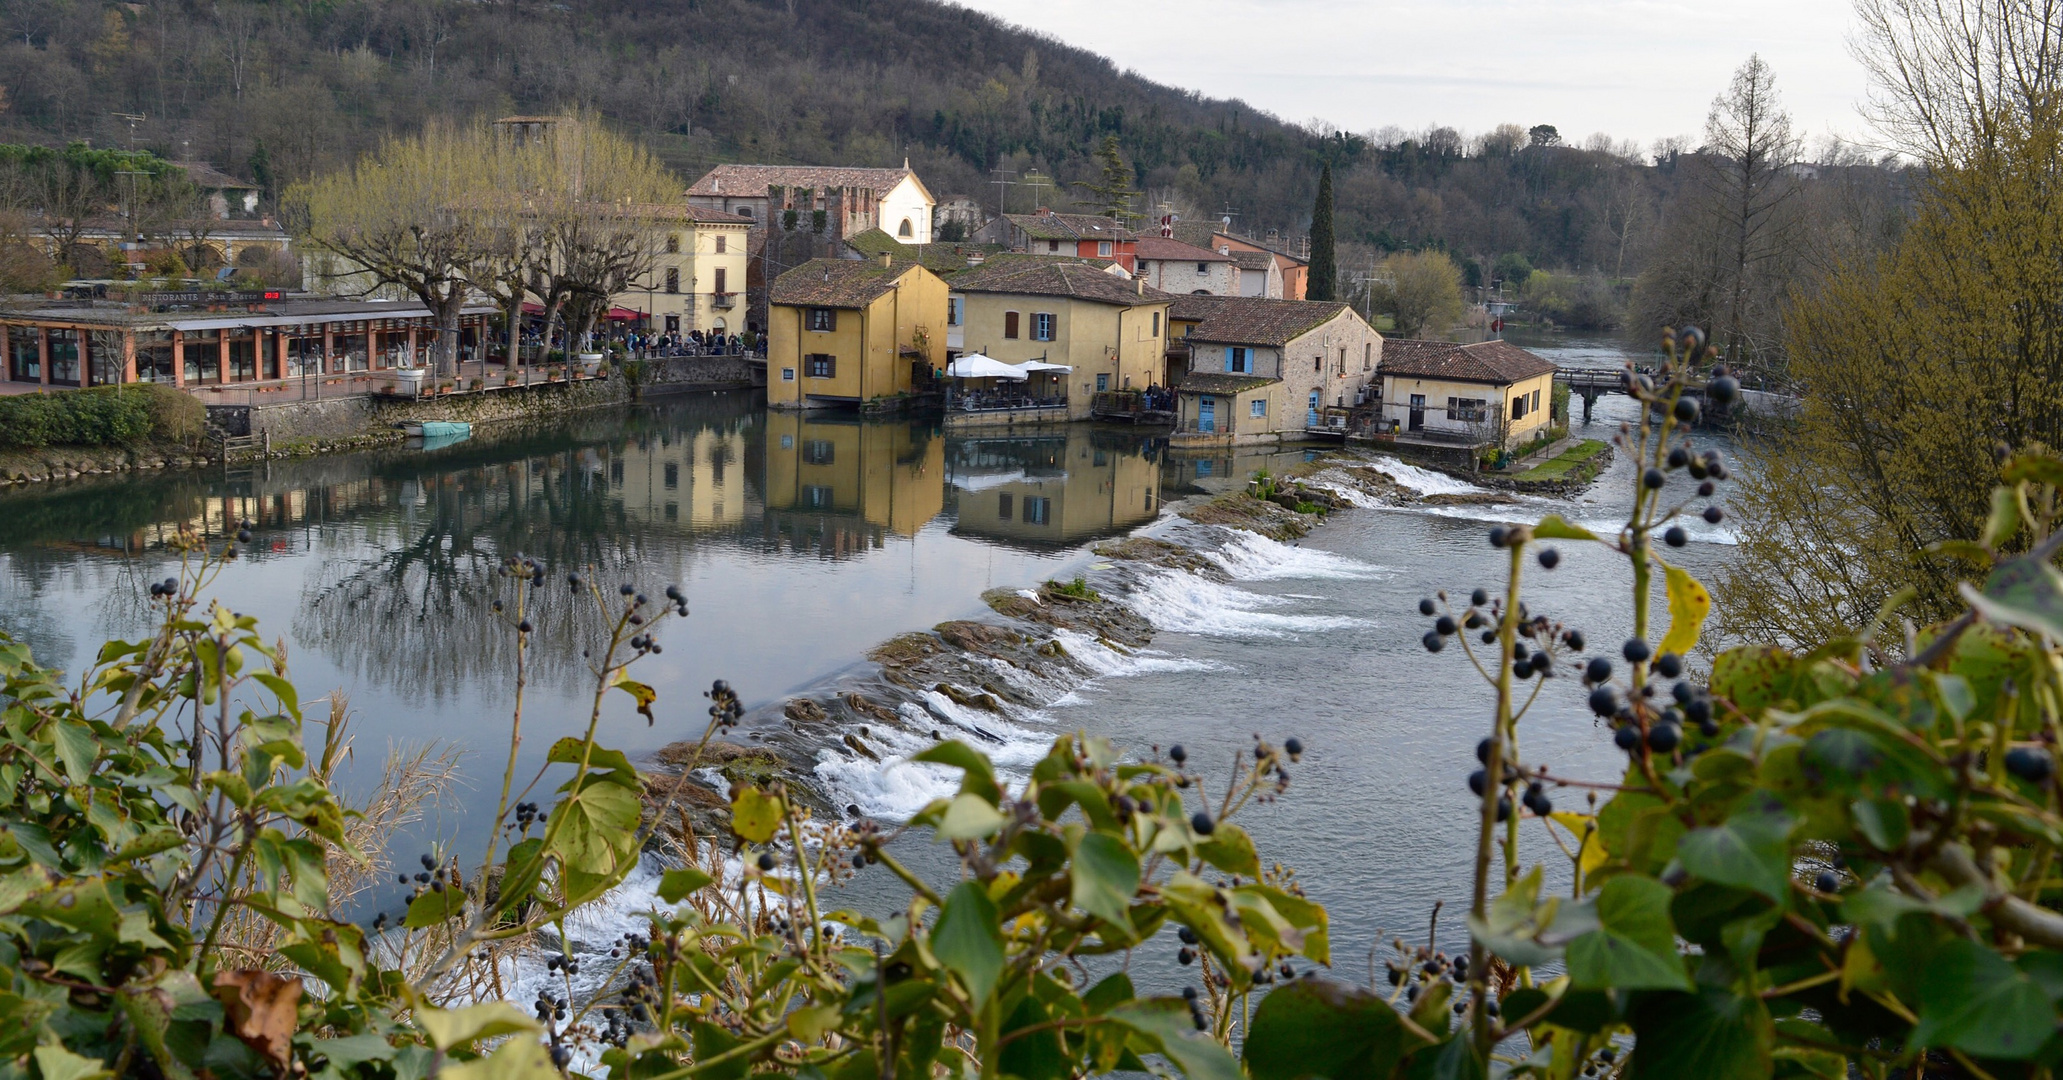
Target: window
25,354
1368,356
818,452
723,286
1042,326
1536,401
154,355
1471,410
1102,383
816,498
787,375
1052,246
722,241
243,358
673,324
1037,511
673,280
1103,248
1343,360
1258,409
673,475
1006,506
673,511
823,320
905,229
954,311
1518,407
1203,268
743,211
1010,324
64,356
1317,364
616,472
673,243
821,365
1238,359
1156,324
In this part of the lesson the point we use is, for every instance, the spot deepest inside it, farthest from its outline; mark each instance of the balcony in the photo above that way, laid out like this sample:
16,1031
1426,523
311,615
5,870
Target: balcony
725,300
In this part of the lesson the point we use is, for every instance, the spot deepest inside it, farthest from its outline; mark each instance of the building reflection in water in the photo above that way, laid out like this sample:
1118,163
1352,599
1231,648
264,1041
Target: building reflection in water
837,486
1053,490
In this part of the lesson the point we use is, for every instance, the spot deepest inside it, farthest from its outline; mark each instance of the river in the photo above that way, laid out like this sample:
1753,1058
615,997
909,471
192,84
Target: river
802,543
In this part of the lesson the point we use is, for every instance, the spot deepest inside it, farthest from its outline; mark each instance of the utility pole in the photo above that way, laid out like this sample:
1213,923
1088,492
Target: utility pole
134,119
1001,184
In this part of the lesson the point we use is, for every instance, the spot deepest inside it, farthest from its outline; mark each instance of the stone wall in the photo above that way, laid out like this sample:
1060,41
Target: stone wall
682,373
356,417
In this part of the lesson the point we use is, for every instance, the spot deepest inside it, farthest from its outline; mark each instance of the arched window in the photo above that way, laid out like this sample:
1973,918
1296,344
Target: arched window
906,230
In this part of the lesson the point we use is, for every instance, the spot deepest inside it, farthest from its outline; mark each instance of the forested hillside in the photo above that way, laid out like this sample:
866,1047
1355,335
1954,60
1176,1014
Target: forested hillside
281,91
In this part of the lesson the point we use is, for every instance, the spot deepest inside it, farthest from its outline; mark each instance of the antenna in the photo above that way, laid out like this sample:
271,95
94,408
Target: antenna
134,119
1229,213
1001,184
1035,180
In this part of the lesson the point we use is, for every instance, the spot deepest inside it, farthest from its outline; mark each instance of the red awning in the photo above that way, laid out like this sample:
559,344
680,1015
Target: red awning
624,314
532,309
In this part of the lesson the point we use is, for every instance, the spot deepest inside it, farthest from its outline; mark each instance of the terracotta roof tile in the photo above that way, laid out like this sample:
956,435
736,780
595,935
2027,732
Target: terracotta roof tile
1042,276
837,283
939,258
1163,249
1494,362
1211,382
1054,226
1252,320
751,181
1252,260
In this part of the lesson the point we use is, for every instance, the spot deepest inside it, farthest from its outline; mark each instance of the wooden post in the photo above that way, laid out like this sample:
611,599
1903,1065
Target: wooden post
43,351
222,357
128,356
179,359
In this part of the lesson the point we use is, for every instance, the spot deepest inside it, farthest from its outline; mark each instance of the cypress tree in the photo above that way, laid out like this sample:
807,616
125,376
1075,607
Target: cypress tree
1321,279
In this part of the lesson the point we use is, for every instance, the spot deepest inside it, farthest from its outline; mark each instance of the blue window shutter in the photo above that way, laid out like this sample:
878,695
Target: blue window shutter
1229,353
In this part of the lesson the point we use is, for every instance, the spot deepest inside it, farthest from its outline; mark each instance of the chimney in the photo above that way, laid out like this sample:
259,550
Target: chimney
887,260
1141,283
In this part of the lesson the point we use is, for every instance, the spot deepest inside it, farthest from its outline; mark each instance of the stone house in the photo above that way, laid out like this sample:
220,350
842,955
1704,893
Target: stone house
1172,266
698,271
1262,370
844,332
852,200
1486,393
1079,236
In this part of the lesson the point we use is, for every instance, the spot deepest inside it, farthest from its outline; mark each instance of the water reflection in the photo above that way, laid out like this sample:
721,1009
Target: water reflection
1054,491
837,486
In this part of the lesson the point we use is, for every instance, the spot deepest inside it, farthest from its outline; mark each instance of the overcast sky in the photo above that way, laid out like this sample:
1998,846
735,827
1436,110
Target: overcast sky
1639,69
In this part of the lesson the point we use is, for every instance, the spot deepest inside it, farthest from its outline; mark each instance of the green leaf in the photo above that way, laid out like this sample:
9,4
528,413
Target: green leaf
1751,850
516,1059
1165,1025
968,940
1105,876
58,1063
1635,945
2022,592
1313,1027
969,817
432,908
1230,849
1555,527
980,778
676,885
1524,930
755,815
1454,1059
76,747
450,1029
1689,603
601,760
2004,521
1713,1034
1972,999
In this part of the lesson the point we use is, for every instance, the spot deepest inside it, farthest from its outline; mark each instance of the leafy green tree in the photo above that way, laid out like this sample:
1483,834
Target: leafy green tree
1321,278
1419,290
1112,191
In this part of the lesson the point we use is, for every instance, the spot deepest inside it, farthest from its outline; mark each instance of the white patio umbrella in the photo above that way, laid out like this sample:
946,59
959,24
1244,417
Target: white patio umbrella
977,366
1041,365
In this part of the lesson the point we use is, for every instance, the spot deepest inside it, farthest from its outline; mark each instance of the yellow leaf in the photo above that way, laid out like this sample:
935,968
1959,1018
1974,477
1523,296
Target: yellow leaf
1592,854
1688,605
644,695
755,815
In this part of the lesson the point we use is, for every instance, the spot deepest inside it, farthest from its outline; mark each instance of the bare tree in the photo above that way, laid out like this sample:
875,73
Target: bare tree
1749,145
1951,78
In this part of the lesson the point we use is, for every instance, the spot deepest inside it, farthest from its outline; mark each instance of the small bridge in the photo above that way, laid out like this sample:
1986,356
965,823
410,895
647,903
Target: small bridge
1593,383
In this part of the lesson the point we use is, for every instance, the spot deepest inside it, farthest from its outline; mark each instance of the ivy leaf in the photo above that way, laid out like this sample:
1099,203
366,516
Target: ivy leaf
1555,527
601,761
432,908
1689,603
1320,1028
58,1063
980,776
969,817
1105,876
452,1028
516,1059
76,747
2022,592
968,940
639,692
1230,849
1164,1024
676,885
1634,947
1713,1034
1972,999
1454,1059
755,814
1750,850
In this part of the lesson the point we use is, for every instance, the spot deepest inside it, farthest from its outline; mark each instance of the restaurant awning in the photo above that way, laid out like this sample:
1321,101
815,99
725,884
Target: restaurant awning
977,366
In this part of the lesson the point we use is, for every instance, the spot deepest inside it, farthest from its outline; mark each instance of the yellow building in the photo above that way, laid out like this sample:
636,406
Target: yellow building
840,485
697,281
1052,492
1111,329
1490,392
847,332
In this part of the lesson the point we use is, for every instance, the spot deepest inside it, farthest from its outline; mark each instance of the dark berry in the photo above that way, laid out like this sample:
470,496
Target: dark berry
1202,823
1503,807
1187,935
1827,882
1177,755
766,861
1663,738
1687,409
1294,745
1549,558
1652,478
1674,536
2030,763
1723,388
1489,636
1426,607
1698,709
1185,955
1476,780
1499,535
1626,738
1714,515
1574,639
1478,598
1444,625
1541,663
1598,670
1604,701
524,627
1709,728
1669,665
1483,752
1706,489
1679,457
1636,650
1433,641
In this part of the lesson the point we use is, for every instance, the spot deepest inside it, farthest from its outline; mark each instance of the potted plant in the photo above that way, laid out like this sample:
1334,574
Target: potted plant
476,384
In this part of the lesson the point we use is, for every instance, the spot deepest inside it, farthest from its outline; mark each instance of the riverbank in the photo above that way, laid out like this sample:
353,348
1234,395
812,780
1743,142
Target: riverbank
349,424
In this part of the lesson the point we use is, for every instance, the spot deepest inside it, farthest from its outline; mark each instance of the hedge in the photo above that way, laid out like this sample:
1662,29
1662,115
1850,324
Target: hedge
102,416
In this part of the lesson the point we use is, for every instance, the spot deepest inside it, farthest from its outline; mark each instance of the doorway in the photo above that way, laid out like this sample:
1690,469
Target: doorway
1418,412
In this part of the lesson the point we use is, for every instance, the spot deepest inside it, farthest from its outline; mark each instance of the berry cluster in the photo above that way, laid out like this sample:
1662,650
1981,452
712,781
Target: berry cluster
527,815
724,707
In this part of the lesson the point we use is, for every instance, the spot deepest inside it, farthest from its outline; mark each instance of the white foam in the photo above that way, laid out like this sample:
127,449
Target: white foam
1423,481
895,788
1252,557
1342,487
1188,604
1102,661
